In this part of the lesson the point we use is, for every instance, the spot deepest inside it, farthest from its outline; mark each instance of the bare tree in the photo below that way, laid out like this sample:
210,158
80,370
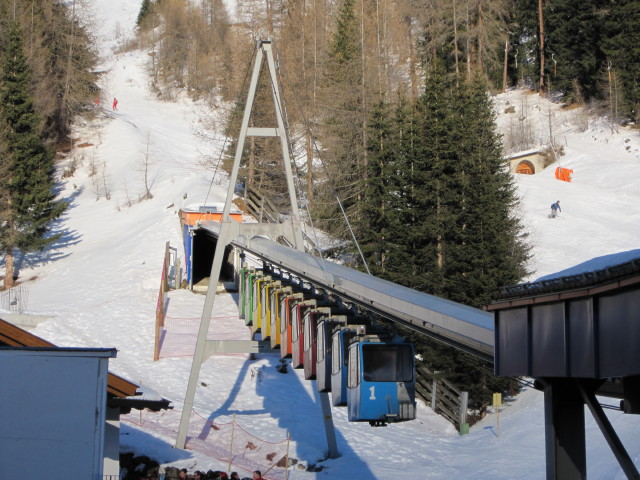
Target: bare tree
146,163
541,31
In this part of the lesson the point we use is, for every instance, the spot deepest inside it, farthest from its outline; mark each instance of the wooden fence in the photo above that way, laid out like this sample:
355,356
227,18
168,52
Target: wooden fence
444,398
260,207
165,280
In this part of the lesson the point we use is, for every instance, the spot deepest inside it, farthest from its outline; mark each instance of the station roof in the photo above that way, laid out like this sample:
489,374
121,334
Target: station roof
123,393
581,325
570,286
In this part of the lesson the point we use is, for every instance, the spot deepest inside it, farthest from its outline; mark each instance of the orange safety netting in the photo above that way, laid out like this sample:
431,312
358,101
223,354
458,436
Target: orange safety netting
564,174
178,335
227,442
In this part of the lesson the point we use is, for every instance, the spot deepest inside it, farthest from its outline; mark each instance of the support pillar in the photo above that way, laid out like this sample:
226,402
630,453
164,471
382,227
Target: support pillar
229,230
564,430
609,433
327,417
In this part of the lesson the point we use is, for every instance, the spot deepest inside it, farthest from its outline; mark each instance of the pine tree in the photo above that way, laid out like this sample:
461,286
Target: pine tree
525,52
475,238
430,191
488,251
378,226
371,230
444,211
62,59
27,192
621,44
573,33
465,241
401,261
342,133
145,9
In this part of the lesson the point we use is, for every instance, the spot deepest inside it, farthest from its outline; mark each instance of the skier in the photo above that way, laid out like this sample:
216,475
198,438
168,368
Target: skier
115,104
555,208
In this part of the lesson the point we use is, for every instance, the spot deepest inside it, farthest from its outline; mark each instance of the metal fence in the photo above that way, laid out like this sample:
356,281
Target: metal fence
15,300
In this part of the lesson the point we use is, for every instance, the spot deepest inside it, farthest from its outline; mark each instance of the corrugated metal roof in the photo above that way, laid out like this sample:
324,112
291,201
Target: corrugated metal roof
614,276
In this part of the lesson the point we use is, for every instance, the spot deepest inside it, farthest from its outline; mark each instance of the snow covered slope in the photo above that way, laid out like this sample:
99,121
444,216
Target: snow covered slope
99,285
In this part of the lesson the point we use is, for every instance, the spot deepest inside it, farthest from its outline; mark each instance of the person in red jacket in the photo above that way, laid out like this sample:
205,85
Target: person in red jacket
115,104
257,475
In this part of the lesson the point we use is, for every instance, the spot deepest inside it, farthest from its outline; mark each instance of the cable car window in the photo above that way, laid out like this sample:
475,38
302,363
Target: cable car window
263,300
353,379
345,346
387,363
283,310
306,325
294,324
335,354
320,342
274,311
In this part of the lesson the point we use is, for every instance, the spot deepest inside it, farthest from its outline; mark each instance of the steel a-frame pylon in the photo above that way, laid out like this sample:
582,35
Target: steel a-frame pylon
229,229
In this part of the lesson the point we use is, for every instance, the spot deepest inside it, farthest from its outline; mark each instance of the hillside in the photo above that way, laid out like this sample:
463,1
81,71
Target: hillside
99,285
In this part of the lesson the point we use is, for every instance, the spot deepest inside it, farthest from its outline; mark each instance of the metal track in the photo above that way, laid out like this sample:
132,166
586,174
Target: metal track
458,325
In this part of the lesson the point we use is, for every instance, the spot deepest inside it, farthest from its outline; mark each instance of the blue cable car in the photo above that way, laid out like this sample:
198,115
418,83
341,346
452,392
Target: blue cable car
381,381
324,346
340,341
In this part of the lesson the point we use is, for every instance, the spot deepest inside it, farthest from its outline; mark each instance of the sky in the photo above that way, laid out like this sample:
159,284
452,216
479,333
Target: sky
98,286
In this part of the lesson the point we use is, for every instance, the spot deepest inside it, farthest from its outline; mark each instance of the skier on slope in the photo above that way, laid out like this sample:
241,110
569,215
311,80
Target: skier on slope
555,209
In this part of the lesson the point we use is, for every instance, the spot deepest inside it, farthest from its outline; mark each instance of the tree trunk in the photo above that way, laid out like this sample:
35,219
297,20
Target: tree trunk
455,39
481,33
252,163
364,99
9,269
541,26
69,63
412,68
506,64
468,46
309,148
270,18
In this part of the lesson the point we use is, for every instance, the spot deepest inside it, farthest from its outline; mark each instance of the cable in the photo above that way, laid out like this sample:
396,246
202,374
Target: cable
231,122
285,118
335,194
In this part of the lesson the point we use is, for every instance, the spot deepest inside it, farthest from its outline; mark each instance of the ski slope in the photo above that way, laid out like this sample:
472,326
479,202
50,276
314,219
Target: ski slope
98,287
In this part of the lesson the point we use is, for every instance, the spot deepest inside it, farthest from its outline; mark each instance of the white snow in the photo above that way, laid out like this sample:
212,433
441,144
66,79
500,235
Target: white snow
99,284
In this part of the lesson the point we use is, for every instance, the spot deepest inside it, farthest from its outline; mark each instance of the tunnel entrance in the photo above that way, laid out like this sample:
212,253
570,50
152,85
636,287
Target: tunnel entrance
204,247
